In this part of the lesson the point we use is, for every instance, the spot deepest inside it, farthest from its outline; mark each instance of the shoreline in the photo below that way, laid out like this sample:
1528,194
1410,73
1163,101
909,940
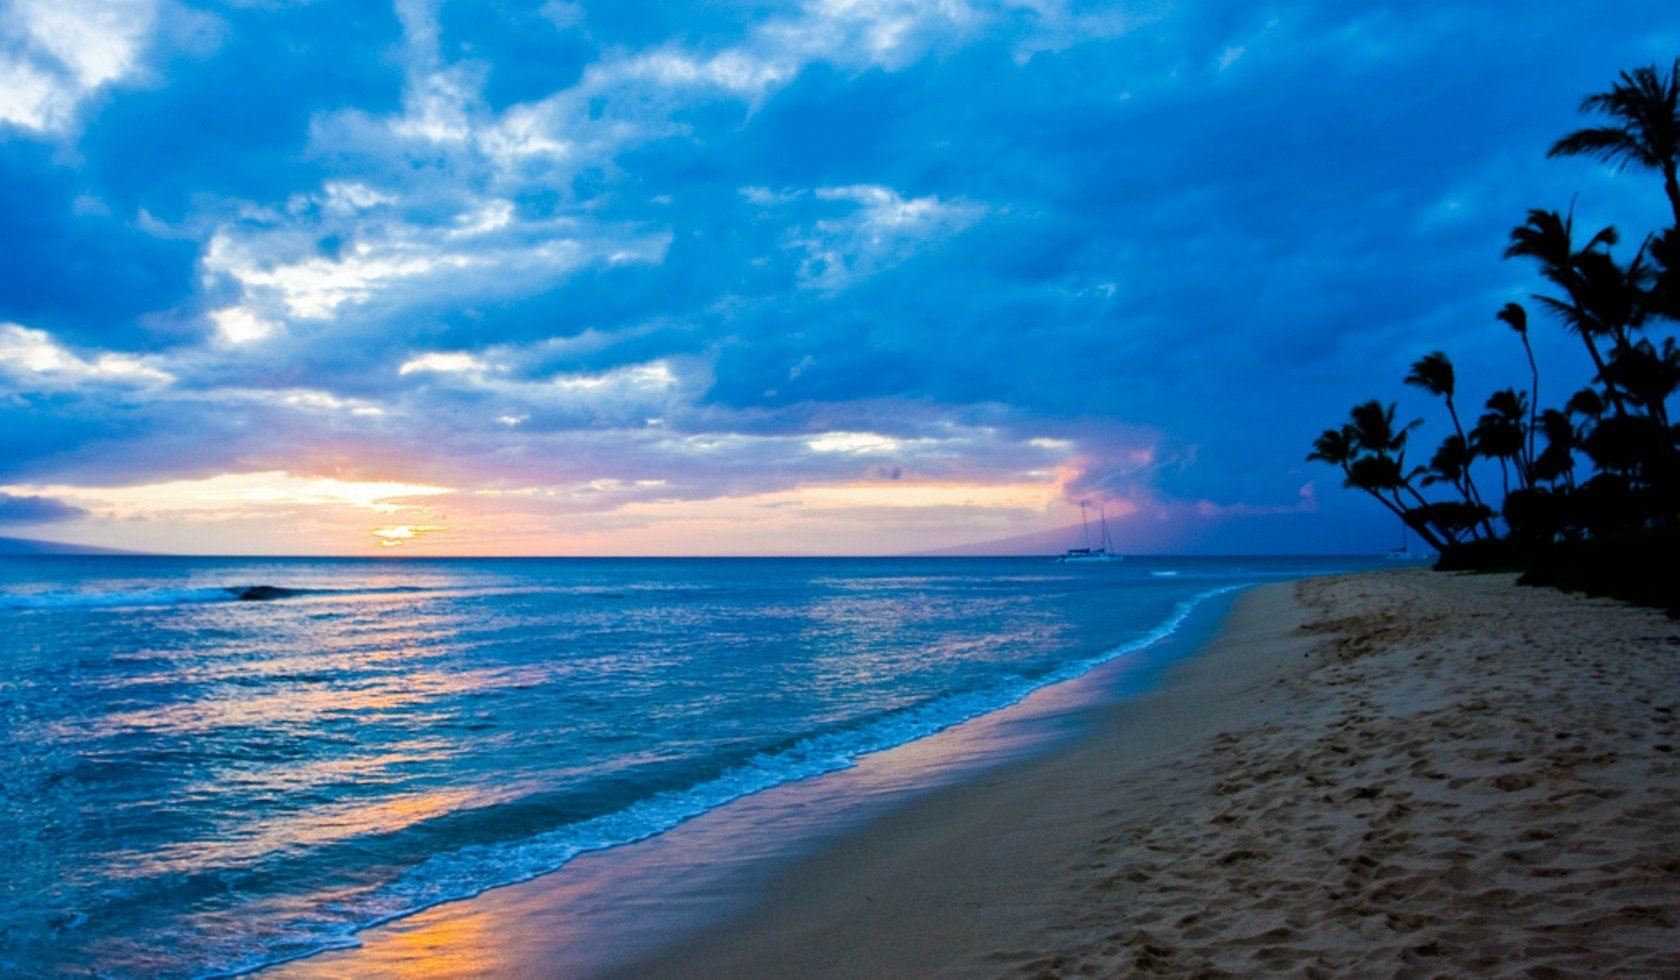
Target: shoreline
955,870
711,867
1385,772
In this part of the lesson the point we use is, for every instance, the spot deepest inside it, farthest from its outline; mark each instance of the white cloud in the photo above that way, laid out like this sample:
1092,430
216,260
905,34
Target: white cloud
60,52
232,492
854,442
314,287
346,197
654,376
1054,445
486,249
513,396
326,401
238,325
884,212
31,98
36,360
883,229
442,362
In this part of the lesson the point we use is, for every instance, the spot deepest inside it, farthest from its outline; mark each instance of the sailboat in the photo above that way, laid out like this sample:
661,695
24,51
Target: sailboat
1404,552
1088,553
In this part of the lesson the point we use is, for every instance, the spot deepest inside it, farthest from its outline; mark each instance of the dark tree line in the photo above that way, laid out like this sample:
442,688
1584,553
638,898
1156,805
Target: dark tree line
1588,490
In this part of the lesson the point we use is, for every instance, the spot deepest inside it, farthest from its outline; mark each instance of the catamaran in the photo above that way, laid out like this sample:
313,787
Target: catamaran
1088,553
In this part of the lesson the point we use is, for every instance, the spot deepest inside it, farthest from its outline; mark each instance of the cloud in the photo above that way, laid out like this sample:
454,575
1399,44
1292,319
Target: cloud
281,272
1307,504
222,493
446,362
651,256
35,510
56,54
881,229
35,361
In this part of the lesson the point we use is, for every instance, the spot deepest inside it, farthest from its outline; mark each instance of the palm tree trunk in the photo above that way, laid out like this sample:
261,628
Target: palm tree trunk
1421,527
1533,399
1463,488
1447,535
1671,184
1475,495
1615,394
1398,511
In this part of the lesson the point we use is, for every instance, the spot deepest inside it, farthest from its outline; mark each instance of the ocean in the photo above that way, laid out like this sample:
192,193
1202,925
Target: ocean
197,784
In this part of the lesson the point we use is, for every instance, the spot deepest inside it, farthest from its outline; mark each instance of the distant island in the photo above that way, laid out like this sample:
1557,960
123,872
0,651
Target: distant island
13,547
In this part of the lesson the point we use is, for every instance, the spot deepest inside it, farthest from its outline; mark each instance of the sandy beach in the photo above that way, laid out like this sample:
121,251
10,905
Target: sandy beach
1391,774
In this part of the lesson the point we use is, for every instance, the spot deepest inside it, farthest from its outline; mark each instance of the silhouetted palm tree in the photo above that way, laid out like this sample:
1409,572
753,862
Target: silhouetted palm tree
1371,453
1451,464
1557,461
1644,107
1433,372
1614,525
1499,434
1609,300
1517,317
1548,238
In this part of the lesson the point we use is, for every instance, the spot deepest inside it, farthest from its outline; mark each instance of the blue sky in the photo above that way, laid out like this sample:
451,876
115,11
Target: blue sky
832,277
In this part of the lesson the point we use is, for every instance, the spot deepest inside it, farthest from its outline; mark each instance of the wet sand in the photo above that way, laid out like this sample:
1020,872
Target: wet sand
1391,774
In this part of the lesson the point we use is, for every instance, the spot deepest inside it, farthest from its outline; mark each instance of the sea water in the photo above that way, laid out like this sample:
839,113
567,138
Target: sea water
199,783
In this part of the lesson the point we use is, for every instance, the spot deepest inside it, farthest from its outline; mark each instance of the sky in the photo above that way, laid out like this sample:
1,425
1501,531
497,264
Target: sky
837,277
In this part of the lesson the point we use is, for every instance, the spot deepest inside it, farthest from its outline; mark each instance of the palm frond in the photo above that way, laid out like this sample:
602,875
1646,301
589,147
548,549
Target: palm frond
1606,143
1514,315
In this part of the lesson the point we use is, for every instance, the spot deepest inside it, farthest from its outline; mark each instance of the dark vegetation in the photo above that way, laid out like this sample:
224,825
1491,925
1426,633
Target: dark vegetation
1588,488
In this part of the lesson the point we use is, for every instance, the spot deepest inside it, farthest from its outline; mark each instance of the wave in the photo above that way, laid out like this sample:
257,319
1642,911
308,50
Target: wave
140,598
470,871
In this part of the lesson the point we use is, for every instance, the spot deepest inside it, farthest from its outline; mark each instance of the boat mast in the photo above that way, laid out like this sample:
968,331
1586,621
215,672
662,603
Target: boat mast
1102,513
1085,524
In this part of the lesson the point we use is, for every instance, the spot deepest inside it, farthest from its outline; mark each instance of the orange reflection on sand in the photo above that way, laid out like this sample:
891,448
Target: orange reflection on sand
471,939
454,946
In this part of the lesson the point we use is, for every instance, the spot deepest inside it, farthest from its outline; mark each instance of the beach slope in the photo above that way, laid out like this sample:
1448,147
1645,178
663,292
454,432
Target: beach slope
1382,774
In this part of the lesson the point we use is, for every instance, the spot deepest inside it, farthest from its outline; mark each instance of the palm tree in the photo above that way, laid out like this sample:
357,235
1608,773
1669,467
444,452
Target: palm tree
1499,434
1341,448
1451,464
1433,372
1644,110
1557,461
1610,301
1371,453
1517,317
1548,238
